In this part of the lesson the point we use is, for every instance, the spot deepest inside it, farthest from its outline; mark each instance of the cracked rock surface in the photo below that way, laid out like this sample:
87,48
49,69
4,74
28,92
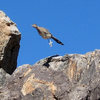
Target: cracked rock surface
69,77
9,46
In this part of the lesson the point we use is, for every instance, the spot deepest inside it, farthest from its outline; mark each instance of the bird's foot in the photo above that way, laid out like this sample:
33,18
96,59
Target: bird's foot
50,43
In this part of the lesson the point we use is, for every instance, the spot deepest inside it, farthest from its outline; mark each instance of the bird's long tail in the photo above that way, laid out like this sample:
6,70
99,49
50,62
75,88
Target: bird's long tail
57,40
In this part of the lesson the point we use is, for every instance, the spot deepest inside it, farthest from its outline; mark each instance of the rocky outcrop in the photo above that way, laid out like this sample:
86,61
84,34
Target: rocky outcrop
9,43
69,77
9,47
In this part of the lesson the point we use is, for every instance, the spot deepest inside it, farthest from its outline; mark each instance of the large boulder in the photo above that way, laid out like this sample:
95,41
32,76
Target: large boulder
9,47
9,43
69,77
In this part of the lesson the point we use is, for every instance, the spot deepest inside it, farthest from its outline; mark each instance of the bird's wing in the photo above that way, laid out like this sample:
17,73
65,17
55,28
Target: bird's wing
43,30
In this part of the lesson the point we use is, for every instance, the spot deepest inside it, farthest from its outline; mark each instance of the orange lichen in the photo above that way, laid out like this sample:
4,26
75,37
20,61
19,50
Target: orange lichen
29,86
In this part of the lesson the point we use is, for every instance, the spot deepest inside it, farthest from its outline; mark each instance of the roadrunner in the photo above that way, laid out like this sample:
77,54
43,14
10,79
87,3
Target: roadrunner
46,34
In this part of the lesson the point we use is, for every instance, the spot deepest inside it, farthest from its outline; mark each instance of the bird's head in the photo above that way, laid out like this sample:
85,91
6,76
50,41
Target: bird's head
34,25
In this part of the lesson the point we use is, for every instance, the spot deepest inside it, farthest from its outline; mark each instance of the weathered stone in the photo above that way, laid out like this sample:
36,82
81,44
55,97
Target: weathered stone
69,77
3,77
9,43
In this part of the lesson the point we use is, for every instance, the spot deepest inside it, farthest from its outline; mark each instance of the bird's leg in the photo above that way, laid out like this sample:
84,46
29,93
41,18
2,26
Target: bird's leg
50,42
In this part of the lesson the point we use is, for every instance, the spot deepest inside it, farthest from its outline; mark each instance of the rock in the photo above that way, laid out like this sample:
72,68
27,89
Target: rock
3,77
9,44
69,77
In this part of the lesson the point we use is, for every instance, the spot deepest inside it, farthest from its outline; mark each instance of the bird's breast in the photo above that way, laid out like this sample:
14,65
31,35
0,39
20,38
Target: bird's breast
45,35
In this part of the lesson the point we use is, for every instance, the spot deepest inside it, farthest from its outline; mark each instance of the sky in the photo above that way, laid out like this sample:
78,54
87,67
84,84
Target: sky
74,22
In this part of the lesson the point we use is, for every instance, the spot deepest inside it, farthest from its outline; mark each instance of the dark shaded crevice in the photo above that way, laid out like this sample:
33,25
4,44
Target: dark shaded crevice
11,23
56,98
9,61
49,60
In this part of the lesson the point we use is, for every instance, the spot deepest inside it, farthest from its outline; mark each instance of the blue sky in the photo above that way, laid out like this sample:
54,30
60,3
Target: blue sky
75,22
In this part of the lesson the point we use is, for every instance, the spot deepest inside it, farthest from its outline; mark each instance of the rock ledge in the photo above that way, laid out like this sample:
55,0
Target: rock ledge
69,77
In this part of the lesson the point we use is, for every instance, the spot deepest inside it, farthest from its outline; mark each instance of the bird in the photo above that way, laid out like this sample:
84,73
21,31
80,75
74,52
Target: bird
46,34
